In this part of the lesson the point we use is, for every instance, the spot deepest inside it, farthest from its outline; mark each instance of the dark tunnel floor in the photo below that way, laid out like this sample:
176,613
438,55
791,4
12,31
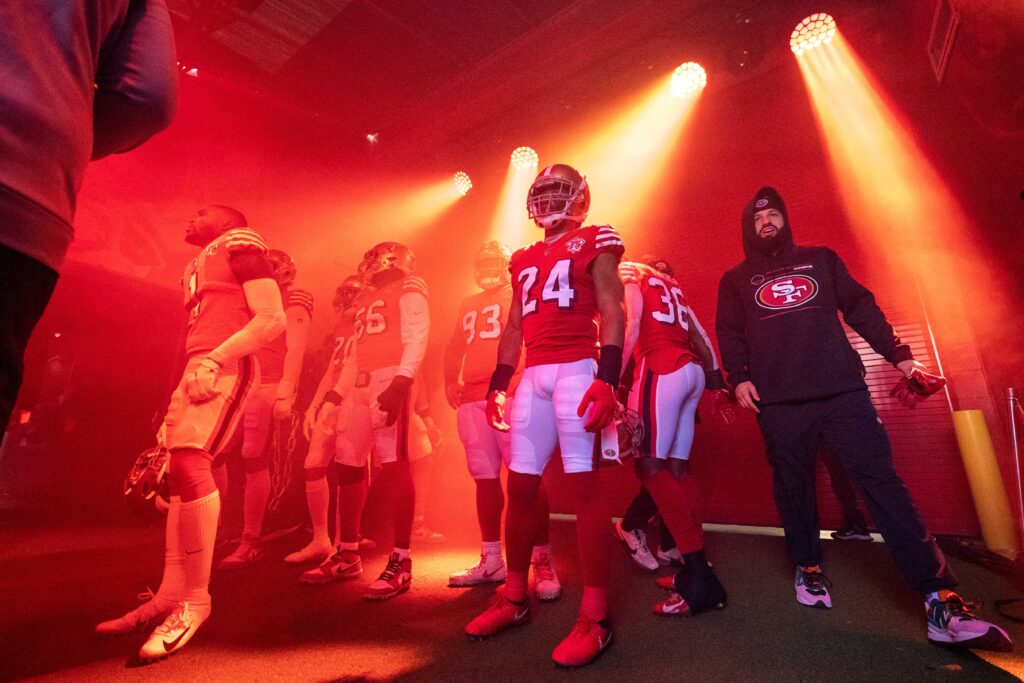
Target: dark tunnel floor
57,583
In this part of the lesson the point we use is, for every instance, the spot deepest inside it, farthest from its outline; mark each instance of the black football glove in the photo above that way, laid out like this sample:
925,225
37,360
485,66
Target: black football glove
395,397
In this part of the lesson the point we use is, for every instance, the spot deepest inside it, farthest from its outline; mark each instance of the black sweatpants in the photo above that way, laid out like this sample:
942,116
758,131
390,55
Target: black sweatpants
849,425
25,289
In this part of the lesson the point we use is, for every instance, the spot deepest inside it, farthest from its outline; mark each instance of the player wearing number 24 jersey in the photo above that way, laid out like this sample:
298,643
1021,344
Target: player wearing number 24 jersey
562,286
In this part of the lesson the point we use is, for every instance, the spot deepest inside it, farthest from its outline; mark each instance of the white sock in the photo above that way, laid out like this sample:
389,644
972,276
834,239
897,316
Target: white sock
350,547
542,550
491,549
198,536
173,581
318,500
257,493
401,552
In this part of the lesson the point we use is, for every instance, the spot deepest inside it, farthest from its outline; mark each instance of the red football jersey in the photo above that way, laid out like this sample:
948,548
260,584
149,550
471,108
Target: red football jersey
213,296
480,322
272,355
664,333
553,286
378,323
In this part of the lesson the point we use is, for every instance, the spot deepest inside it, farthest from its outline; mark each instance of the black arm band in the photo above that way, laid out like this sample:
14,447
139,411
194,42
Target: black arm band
501,378
609,366
332,396
713,380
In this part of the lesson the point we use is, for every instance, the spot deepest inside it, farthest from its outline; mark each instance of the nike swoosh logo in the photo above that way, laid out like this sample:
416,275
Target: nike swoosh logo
170,645
520,615
489,574
193,552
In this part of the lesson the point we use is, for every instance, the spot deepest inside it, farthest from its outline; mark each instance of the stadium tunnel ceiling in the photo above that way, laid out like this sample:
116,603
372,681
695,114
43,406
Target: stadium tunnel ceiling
400,67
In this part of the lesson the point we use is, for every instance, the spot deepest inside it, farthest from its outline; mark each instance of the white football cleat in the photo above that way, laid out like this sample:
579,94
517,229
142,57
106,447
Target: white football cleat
178,628
491,569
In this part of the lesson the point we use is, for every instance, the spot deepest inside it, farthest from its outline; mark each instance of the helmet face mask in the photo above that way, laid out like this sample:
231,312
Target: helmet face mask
145,488
347,292
284,267
386,257
559,193
491,265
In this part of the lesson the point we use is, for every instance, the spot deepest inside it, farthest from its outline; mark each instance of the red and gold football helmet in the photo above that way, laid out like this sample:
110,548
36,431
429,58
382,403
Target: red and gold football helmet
559,193
145,488
491,265
284,267
387,256
347,292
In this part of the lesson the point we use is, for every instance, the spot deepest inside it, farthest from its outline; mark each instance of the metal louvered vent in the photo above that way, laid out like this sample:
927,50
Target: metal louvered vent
266,33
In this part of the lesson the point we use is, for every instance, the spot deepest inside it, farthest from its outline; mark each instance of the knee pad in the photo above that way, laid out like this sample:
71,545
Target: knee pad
646,468
349,474
191,473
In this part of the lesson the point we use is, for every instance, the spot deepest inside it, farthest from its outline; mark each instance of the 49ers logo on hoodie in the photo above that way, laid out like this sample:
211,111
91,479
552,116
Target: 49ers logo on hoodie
786,292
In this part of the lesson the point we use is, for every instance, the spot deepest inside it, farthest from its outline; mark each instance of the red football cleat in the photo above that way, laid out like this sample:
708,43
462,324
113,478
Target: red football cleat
587,640
498,616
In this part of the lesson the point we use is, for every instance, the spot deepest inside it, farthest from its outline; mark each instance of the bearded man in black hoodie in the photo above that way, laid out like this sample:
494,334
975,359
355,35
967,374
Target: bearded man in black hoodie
788,360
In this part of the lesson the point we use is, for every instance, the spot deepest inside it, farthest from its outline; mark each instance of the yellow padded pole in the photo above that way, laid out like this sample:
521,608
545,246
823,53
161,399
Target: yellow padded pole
990,499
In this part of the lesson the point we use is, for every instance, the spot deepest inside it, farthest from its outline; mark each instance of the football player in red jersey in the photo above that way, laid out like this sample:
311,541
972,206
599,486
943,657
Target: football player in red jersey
234,307
392,322
562,286
470,354
668,382
320,432
280,367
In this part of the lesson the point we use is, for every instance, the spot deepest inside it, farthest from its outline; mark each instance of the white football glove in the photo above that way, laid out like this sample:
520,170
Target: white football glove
201,385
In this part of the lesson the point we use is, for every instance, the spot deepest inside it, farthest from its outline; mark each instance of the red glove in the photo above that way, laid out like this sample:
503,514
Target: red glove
917,386
495,411
722,406
604,407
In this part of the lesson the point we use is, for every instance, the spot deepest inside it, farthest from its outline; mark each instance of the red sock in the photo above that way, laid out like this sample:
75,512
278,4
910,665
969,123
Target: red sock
543,517
490,501
673,504
515,586
520,522
593,528
595,603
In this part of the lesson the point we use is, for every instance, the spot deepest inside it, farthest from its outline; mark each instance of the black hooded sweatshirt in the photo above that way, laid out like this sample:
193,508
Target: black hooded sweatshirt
777,319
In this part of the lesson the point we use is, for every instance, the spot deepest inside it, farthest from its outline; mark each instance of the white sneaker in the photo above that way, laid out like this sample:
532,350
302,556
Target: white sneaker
318,550
636,543
672,556
172,635
148,613
247,552
546,583
955,622
491,569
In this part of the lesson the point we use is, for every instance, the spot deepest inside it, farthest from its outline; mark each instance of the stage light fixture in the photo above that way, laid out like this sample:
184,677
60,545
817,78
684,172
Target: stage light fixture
462,183
524,157
688,79
817,29
373,138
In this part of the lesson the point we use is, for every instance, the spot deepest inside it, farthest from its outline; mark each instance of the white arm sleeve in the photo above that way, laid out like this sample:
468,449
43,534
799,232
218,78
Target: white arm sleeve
264,299
634,300
297,337
415,330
